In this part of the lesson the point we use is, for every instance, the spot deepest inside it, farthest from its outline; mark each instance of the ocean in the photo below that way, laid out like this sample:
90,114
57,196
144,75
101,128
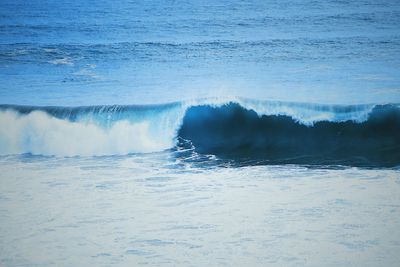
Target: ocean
194,133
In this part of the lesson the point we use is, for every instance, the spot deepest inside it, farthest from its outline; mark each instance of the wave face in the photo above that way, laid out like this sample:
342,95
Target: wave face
232,131
267,131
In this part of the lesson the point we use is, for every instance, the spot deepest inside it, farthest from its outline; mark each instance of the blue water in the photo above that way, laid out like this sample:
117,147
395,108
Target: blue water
136,52
195,133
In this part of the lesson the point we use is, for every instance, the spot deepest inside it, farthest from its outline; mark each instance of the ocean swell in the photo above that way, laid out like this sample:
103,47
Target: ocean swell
277,132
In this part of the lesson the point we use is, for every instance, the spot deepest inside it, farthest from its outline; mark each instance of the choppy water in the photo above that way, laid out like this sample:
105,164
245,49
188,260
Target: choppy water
193,133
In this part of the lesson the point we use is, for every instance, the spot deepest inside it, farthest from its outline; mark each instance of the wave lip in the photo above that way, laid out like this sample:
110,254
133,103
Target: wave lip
309,113
275,132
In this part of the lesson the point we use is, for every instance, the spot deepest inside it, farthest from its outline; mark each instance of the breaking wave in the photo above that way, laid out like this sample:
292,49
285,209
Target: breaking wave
277,132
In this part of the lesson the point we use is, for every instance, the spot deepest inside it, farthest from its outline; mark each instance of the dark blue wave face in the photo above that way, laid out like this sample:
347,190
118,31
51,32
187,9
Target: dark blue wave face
233,132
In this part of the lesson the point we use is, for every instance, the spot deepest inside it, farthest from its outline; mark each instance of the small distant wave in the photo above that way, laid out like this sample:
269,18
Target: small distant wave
276,132
62,61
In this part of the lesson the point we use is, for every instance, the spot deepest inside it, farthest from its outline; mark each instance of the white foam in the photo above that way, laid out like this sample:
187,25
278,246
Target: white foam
308,113
39,133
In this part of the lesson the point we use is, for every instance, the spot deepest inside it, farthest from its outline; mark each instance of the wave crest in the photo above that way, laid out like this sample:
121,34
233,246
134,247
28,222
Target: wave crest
276,131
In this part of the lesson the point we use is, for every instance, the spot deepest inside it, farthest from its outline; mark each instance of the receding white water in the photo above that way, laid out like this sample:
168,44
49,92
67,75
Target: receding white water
158,210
